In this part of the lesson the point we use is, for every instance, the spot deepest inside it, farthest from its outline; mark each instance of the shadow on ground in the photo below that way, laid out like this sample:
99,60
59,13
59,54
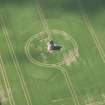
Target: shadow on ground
93,6
71,5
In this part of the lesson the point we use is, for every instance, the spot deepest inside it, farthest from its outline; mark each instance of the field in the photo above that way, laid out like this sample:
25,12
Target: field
30,75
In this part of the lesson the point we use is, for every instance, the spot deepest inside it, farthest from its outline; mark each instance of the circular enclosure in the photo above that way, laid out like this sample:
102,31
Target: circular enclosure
36,48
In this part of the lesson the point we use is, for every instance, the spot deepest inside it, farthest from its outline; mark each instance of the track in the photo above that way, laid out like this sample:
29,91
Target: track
69,84
43,19
63,70
6,82
91,31
58,66
37,36
17,66
16,63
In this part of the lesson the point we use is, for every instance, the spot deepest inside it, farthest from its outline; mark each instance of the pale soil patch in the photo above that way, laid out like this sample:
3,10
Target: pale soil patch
3,95
103,97
70,57
60,99
94,101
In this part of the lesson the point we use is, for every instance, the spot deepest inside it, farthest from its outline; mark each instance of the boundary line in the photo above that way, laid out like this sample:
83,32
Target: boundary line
16,63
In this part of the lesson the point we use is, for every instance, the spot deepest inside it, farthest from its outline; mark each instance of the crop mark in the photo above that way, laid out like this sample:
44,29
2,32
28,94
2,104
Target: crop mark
92,31
43,19
16,63
67,78
6,82
93,35
69,84
37,36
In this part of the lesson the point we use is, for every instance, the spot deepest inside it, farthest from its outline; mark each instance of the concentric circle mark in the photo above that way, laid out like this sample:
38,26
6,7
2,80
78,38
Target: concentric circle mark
36,50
